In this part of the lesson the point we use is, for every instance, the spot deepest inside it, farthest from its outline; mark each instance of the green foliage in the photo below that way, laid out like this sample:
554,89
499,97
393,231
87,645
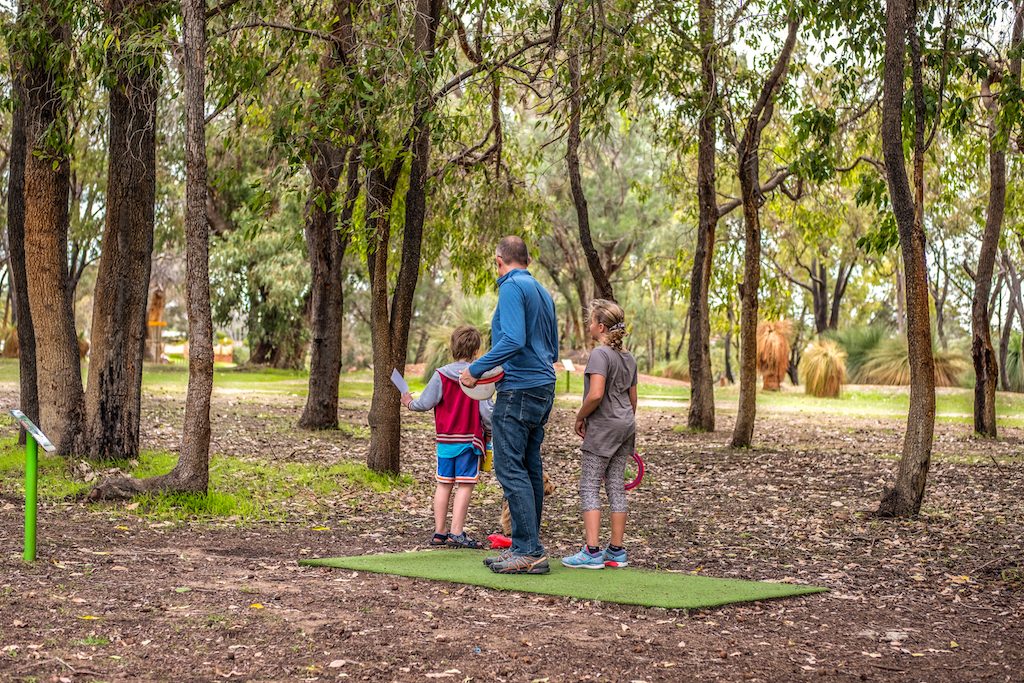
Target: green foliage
889,363
858,343
475,311
823,369
1015,364
676,369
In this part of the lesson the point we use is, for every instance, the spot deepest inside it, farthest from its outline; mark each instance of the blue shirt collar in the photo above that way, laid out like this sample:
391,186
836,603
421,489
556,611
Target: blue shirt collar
510,273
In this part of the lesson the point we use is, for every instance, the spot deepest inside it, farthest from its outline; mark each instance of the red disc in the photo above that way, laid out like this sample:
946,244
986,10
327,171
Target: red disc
640,469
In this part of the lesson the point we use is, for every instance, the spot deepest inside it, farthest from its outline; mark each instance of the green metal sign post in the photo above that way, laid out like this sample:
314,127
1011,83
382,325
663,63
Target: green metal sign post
33,439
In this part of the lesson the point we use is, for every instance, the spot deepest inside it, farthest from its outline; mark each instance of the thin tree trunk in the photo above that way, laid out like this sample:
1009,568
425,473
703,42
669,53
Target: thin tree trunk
842,279
819,296
701,415
114,394
193,469
749,171
985,370
572,158
1006,325
28,397
729,376
47,183
905,497
901,299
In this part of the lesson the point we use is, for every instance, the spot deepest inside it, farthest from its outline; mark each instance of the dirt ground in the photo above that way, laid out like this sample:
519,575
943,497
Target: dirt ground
116,597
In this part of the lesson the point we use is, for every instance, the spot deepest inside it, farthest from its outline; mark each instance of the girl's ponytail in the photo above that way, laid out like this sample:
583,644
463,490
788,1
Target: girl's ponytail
611,315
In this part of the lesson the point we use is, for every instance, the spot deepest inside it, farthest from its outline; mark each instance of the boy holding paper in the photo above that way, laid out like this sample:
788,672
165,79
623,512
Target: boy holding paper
460,423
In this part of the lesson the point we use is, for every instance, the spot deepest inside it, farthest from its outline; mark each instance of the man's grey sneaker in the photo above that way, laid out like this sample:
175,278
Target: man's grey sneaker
522,564
501,557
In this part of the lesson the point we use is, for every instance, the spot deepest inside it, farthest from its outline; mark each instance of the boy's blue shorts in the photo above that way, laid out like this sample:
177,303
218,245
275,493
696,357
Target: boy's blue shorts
463,468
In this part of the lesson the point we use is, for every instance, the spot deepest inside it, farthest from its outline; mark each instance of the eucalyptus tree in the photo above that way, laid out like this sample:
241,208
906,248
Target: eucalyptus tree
42,48
135,45
1000,87
28,396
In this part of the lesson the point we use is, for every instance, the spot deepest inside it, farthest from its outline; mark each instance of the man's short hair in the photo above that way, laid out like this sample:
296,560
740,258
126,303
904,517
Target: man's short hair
465,342
512,249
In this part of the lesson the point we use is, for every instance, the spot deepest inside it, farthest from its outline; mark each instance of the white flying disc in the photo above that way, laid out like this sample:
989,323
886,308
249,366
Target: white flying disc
484,388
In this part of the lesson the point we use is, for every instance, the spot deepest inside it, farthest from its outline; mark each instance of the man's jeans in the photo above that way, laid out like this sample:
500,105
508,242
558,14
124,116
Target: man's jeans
518,430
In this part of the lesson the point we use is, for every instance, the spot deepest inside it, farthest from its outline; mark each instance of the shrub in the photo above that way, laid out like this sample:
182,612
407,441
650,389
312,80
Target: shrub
773,352
823,368
677,369
858,343
1014,364
889,363
469,311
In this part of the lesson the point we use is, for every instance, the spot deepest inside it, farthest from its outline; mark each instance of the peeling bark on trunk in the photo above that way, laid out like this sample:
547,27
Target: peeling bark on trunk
701,414
47,183
114,394
905,497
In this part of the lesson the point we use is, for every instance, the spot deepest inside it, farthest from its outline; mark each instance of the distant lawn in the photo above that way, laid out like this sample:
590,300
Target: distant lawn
953,404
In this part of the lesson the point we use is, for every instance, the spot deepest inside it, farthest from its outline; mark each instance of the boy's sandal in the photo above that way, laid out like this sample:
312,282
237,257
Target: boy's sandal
439,539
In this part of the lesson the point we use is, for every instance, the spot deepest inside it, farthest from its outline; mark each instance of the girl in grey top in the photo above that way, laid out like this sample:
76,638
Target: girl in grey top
607,423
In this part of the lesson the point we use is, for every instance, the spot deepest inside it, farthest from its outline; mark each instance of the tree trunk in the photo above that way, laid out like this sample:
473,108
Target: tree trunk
842,279
906,496
193,469
114,395
28,397
985,369
1006,326
327,242
748,168
579,199
901,298
390,332
327,235
743,431
701,415
819,296
47,183
729,376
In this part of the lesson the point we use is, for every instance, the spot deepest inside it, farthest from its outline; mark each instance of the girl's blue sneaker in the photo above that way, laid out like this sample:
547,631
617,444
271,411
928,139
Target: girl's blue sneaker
615,559
584,560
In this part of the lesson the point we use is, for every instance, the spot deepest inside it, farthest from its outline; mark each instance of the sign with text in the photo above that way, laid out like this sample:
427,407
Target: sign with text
567,364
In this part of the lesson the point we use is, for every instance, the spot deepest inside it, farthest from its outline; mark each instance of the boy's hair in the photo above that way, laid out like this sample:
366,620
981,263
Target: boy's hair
611,315
465,342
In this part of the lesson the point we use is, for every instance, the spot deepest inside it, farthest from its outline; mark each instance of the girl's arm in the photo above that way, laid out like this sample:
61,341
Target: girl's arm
632,397
590,403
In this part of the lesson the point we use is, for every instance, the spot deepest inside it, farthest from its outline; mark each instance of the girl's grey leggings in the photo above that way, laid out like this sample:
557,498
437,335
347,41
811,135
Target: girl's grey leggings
610,468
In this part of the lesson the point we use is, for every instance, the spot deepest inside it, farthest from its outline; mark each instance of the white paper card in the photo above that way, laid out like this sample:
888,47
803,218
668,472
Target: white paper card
567,364
399,382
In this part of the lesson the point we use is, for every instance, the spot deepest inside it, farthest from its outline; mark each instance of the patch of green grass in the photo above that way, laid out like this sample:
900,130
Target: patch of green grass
54,480
93,641
241,490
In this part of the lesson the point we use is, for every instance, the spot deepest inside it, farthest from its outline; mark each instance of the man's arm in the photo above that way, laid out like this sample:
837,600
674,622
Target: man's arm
512,311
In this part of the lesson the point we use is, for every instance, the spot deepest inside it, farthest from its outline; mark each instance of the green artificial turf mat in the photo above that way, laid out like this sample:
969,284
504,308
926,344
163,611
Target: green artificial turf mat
628,586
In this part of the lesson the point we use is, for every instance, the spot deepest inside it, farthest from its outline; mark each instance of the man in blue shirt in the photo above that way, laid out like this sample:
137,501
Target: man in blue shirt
524,341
